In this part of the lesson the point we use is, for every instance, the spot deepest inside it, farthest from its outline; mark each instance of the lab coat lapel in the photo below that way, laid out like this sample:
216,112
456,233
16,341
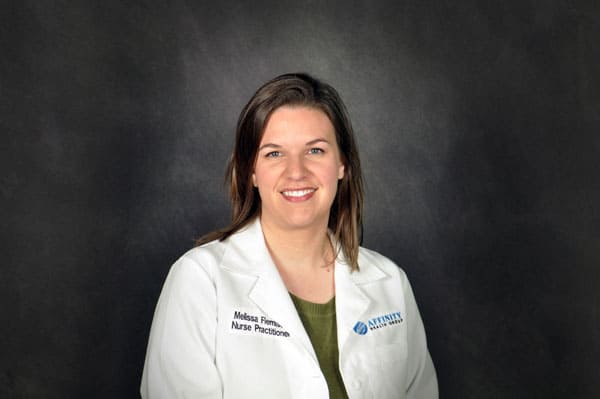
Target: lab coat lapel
271,296
248,254
352,302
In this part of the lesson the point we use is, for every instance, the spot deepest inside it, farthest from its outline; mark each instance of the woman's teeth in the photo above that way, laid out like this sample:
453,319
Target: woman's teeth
298,193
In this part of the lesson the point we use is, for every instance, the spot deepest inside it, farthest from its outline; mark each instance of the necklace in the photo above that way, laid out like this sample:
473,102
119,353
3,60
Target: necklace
328,253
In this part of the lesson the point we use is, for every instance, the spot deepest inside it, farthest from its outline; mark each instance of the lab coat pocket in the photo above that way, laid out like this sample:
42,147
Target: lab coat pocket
386,365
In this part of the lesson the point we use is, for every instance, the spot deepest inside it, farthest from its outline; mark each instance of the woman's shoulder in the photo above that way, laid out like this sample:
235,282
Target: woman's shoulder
210,251
368,259
237,251
204,258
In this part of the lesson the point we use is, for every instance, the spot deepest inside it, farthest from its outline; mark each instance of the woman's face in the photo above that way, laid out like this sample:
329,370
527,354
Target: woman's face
297,168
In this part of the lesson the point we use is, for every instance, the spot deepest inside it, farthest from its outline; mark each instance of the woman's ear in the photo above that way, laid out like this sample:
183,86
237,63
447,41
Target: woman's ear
341,170
254,180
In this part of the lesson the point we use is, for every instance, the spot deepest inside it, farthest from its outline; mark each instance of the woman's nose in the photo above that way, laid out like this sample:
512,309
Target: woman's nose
296,167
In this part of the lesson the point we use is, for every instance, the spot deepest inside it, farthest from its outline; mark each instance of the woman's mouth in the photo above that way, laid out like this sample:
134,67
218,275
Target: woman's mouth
298,195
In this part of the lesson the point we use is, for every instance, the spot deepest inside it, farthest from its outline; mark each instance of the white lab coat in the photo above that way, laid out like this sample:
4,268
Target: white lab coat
226,327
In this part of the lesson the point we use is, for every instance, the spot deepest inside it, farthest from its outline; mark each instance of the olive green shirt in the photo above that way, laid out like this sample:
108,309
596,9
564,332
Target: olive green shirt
320,325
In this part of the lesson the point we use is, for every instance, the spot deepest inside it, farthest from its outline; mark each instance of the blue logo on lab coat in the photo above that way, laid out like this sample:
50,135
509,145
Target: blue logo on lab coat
360,328
378,322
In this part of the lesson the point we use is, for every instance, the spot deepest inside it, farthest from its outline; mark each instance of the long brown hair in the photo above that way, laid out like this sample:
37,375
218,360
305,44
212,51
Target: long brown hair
295,89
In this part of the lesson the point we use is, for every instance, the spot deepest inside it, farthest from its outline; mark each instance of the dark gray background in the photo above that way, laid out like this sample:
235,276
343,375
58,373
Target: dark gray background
478,125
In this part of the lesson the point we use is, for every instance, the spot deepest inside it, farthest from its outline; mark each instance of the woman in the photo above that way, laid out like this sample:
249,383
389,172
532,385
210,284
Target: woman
283,303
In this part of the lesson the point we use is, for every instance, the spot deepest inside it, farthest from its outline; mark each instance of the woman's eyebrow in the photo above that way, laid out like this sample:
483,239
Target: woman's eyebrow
277,146
268,145
315,141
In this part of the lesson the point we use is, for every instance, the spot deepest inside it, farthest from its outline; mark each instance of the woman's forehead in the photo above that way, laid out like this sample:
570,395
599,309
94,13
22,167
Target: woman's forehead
289,124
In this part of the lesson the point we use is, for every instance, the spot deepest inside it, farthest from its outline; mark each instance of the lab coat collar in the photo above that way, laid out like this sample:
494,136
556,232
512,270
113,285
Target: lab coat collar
352,301
247,254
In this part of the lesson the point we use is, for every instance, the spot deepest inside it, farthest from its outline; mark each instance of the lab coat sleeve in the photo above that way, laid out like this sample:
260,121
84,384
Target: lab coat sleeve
421,377
180,359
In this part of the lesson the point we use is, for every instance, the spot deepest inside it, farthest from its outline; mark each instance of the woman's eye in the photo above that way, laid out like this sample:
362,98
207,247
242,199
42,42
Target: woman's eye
273,154
316,151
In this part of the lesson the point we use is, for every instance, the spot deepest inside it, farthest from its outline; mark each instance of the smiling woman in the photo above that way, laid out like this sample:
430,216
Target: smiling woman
283,302
297,170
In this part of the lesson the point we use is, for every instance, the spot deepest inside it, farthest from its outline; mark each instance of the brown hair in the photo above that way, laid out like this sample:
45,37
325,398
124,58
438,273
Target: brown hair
296,89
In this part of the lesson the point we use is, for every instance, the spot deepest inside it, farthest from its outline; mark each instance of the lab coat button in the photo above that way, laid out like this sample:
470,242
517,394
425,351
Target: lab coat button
356,384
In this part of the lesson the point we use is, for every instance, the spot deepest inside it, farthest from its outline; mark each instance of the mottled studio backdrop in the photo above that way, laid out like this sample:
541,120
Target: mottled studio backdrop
478,124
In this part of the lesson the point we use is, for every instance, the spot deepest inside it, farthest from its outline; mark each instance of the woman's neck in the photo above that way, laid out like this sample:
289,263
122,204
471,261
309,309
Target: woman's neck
300,248
304,259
